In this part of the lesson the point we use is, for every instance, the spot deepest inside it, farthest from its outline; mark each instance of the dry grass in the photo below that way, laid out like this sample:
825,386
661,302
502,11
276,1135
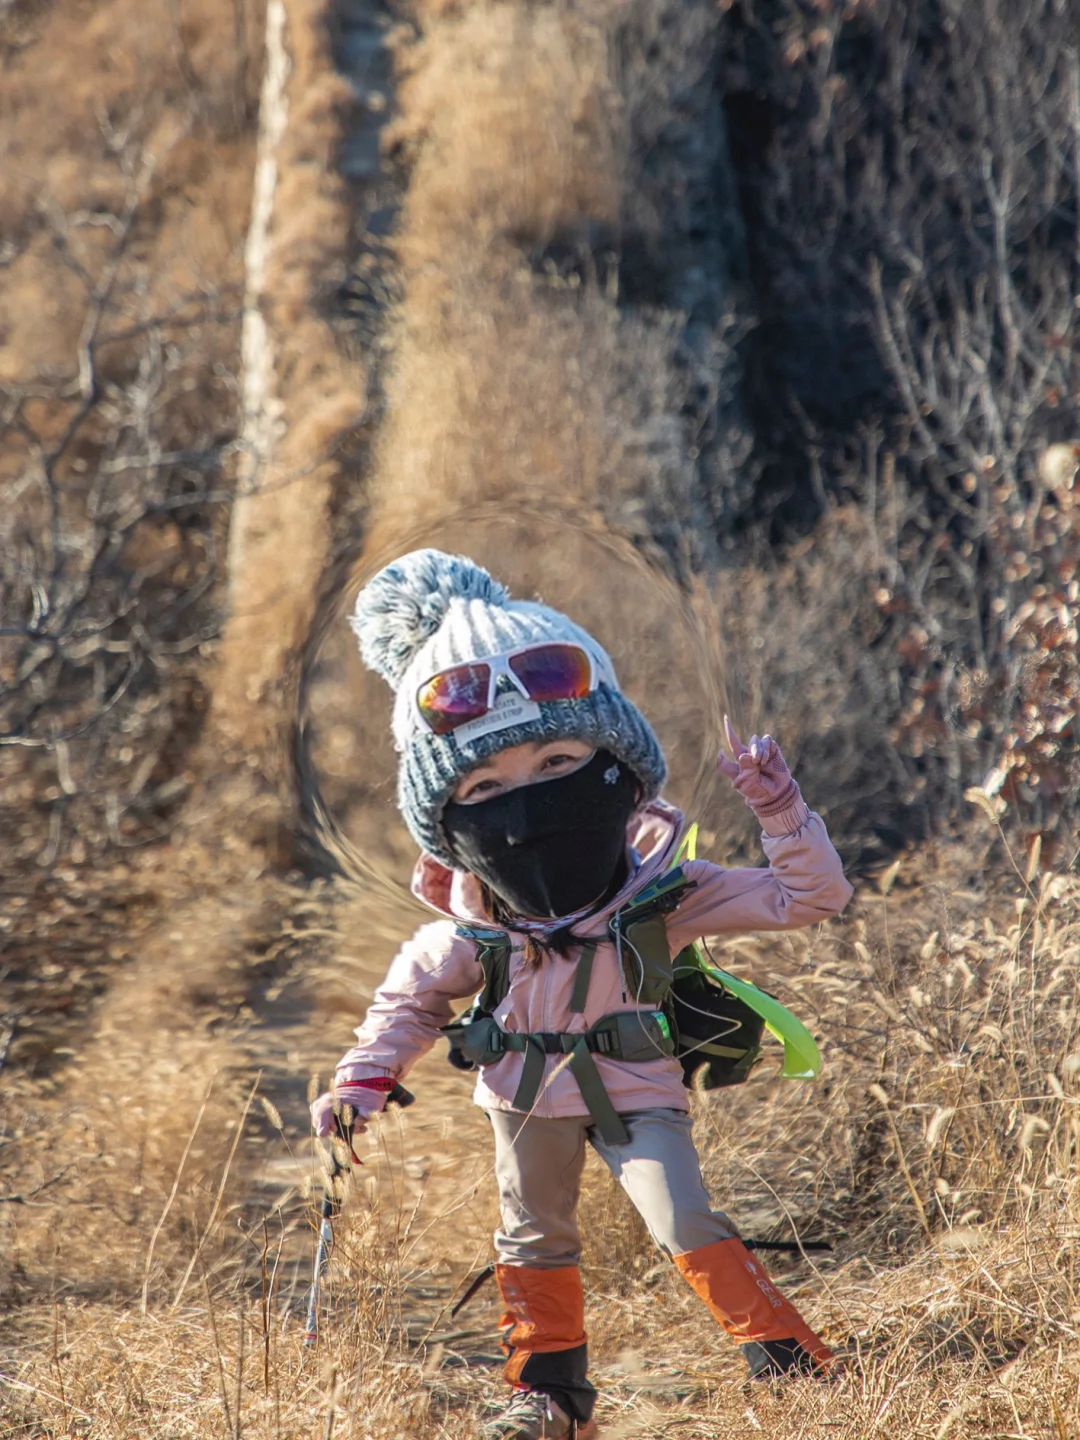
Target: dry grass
518,128
516,370
938,1154
155,1217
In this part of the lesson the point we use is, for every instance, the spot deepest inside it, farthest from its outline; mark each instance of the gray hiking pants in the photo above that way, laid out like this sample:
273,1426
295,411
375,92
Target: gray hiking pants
539,1162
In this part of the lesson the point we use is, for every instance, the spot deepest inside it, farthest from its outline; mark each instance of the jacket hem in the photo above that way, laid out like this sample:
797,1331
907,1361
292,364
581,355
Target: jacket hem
569,1107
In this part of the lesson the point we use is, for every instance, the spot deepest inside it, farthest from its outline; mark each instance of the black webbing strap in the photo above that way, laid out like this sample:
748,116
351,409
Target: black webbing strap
582,1067
477,1282
494,959
582,976
792,1246
597,1100
706,1047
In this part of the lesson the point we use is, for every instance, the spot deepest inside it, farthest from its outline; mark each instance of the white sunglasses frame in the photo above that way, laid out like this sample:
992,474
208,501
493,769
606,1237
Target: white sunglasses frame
500,666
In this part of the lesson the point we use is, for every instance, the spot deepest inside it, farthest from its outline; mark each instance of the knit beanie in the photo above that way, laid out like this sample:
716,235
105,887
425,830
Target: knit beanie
428,611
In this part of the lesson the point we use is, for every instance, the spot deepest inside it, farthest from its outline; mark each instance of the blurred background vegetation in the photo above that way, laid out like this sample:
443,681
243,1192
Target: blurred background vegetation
744,331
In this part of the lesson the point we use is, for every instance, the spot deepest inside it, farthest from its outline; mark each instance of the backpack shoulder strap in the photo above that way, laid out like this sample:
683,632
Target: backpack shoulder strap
640,934
659,897
493,957
582,976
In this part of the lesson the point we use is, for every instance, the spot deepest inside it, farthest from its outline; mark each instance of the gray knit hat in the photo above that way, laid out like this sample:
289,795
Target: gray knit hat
428,611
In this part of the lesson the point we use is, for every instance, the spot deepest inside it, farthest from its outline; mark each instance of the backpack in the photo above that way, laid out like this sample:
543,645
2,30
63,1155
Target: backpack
715,1036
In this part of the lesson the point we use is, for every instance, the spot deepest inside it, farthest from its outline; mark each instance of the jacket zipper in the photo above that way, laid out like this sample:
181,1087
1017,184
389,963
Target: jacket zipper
543,1105
618,958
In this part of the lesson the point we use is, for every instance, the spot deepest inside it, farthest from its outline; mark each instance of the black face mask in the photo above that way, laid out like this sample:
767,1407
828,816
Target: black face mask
553,847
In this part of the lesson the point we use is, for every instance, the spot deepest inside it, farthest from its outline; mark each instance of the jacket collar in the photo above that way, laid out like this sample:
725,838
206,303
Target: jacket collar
652,836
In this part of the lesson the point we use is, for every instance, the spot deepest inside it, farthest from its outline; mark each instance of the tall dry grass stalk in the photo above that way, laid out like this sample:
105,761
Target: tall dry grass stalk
938,1153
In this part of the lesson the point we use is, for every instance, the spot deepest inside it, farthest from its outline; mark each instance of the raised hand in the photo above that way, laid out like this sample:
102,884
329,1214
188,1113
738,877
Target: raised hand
759,772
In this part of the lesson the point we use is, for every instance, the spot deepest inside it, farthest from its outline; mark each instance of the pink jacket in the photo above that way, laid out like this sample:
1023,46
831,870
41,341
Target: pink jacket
803,884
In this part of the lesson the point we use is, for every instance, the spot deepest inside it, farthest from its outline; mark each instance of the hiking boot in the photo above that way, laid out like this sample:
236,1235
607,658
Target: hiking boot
532,1415
772,1360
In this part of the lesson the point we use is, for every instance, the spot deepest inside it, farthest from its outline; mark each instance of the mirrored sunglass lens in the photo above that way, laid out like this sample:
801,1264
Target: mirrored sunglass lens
553,672
454,696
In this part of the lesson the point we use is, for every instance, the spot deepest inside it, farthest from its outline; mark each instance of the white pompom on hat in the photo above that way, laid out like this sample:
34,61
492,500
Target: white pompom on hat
428,611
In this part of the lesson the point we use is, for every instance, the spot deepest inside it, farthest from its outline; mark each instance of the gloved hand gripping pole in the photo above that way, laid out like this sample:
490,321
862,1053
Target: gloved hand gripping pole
331,1205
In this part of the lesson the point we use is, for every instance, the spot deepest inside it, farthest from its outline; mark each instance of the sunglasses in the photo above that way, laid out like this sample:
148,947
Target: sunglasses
545,671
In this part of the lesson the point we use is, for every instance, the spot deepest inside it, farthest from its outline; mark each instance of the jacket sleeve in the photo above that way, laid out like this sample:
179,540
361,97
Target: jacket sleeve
435,968
804,883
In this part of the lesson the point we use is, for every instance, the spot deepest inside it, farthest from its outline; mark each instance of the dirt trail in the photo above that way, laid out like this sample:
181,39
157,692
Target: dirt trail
301,1019
436,1156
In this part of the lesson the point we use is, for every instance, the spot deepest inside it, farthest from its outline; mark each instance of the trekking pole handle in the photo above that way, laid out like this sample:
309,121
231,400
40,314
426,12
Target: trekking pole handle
330,1204
400,1096
330,1208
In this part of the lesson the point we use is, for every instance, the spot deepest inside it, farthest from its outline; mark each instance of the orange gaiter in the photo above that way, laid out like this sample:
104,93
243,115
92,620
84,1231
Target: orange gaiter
743,1298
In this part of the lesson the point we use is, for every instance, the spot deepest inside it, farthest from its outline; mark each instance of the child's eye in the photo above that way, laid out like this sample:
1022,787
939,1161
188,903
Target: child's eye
482,787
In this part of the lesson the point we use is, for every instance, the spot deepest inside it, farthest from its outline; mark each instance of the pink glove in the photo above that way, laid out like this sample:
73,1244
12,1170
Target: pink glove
760,774
367,1098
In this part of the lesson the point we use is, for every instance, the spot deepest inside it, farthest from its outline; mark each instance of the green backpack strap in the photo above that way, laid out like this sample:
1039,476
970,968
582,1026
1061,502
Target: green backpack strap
582,976
582,1067
640,934
646,959
493,951
597,1100
493,957
802,1058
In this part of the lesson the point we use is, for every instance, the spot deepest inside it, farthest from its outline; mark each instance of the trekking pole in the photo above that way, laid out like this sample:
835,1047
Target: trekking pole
793,1247
331,1207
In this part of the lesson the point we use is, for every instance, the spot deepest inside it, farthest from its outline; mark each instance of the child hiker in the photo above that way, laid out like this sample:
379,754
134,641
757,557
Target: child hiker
531,785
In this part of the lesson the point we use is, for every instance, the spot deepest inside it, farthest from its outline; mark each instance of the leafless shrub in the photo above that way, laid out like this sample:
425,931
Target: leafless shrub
917,197
113,470
118,404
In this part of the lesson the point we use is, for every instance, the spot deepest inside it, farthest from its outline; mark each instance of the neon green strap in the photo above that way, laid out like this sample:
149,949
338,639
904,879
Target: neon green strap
687,846
802,1058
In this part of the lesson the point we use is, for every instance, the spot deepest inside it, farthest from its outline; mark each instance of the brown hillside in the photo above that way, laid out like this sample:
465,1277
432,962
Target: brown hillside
746,333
